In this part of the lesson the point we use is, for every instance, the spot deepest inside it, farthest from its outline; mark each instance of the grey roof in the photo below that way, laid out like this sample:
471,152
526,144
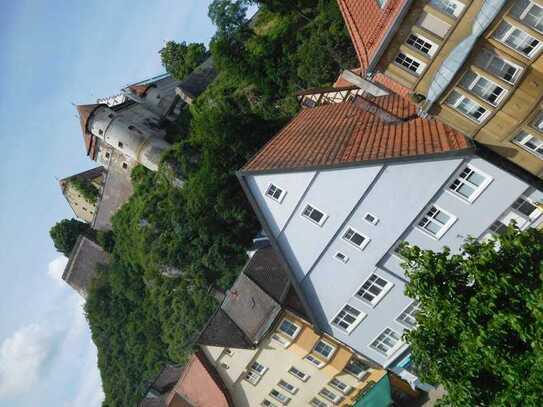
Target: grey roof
222,331
167,378
82,266
91,174
153,402
197,82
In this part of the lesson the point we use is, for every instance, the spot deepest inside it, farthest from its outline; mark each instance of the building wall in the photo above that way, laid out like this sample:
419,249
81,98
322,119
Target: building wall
398,194
516,111
83,209
233,365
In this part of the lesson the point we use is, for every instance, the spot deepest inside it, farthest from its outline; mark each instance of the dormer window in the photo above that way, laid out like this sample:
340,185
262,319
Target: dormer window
324,349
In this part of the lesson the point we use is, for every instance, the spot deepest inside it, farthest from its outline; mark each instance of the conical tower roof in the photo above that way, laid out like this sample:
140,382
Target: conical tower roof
85,112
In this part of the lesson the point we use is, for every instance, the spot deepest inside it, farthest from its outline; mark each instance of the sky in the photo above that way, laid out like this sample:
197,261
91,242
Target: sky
51,58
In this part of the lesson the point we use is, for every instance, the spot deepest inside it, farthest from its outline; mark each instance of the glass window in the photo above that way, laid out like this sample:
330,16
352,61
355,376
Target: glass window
355,238
313,360
530,142
436,221
529,13
258,368
314,215
276,394
373,289
275,193
410,63
339,385
498,66
482,87
470,183
298,373
407,317
287,386
538,121
387,342
348,318
422,44
517,39
317,403
449,7
467,106
289,328
356,367
324,349
525,207
498,227
329,395
267,403
341,257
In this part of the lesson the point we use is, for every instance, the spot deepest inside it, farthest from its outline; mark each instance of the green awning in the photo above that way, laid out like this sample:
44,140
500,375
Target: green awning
377,396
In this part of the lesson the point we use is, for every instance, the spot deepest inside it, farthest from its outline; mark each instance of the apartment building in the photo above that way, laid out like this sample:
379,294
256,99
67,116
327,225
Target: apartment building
474,64
268,354
342,185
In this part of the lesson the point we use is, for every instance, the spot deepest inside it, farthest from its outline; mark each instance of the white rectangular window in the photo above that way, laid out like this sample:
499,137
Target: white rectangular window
421,44
526,208
314,215
373,289
436,221
329,395
497,65
538,121
517,39
467,106
317,403
371,218
287,386
530,13
348,318
341,257
470,183
277,395
298,374
324,349
356,367
255,372
482,87
449,7
408,317
258,368
355,238
267,403
498,228
275,193
314,361
282,341
433,24
339,385
531,143
289,328
387,342
410,63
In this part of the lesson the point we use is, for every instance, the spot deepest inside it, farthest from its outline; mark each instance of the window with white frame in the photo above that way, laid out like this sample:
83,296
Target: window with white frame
470,183
330,395
371,218
313,360
324,349
277,395
498,227
255,373
341,257
282,341
436,221
356,367
410,63
355,238
525,207
260,369
538,121
275,193
287,386
387,342
530,13
482,87
531,143
339,385
314,215
348,318
450,7
497,65
373,289
408,317
421,44
267,403
289,328
517,39
315,402
298,374
467,106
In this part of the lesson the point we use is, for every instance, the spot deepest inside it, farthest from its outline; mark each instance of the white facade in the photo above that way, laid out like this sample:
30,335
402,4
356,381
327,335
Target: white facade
377,206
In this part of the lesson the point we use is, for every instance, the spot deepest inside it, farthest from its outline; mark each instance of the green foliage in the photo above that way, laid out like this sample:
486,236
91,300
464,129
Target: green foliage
86,188
228,15
180,59
106,239
66,232
480,326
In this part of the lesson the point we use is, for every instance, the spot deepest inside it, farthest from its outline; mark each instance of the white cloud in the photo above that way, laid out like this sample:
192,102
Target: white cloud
56,268
22,358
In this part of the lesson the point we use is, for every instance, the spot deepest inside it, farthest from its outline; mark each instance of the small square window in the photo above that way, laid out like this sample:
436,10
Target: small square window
314,215
470,183
368,217
107,155
356,239
436,222
125,166
348,318
407,317
289,328
120,144
373,289
341,257
324,349
387,342
356,367
276,193
100,131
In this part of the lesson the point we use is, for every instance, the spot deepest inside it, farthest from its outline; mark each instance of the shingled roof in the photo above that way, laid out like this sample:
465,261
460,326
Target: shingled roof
140,90
360,131
85,112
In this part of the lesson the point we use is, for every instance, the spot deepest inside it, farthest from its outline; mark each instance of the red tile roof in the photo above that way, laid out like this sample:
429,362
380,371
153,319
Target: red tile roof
346,133
85,111
140,90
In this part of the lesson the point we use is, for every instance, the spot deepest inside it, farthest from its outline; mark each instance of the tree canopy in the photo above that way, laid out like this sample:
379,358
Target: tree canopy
480,324
228,15
66,232
180,59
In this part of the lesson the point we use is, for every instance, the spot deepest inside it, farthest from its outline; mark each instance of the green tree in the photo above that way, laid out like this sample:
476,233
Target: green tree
86,188
228,15
480,324
66,232
180,59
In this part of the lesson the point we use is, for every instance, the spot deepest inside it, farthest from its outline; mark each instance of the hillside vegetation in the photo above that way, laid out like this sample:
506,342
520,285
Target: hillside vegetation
140,318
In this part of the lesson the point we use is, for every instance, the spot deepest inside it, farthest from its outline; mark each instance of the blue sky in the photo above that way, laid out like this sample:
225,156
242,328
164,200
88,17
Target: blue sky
52,57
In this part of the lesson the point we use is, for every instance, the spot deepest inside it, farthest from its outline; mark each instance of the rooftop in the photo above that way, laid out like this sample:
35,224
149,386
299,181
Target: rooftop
363,130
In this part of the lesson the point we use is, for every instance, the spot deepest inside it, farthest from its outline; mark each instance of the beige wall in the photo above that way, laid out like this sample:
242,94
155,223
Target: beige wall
82,208
233,364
